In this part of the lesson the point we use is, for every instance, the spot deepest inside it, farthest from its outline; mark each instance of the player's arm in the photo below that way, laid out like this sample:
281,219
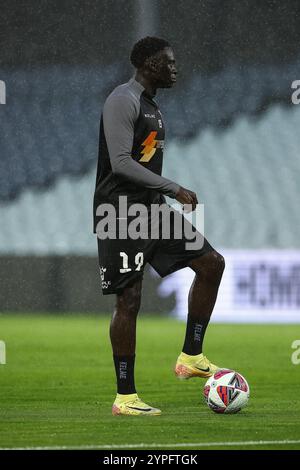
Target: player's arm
119,116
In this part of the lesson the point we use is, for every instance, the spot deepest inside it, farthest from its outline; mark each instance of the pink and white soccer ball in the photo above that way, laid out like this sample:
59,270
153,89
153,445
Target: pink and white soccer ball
226,391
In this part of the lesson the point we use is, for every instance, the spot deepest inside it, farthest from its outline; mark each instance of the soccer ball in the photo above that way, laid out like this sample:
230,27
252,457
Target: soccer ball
226,391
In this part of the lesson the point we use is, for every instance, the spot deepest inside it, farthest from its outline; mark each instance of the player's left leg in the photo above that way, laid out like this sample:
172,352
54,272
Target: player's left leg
202,297
189,248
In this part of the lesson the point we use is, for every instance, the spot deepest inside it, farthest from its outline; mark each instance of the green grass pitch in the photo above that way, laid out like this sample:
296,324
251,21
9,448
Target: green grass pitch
58,386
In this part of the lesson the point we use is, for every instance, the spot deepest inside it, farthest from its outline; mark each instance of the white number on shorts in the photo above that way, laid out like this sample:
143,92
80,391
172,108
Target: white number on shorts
139,260
125,268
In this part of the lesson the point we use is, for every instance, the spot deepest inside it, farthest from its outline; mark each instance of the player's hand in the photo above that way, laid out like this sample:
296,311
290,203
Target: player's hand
185,196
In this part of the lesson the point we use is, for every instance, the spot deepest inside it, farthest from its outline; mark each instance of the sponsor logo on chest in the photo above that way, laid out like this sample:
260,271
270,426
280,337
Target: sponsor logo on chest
153,116
150,145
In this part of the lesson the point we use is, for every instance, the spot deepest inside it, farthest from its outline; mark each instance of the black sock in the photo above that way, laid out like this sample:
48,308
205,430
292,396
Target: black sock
124,366
195,331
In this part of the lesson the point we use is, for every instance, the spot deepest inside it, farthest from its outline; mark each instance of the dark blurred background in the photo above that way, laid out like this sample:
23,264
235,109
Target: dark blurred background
206,35
232,136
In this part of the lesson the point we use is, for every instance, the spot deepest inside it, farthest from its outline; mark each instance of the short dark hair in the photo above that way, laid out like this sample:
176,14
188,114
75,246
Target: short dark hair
146,47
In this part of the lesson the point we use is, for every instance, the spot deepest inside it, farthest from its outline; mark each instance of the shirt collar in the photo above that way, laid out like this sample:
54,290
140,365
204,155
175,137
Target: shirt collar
140,89
137,85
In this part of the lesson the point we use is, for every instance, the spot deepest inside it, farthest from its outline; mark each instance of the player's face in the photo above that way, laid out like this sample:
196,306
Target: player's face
165,69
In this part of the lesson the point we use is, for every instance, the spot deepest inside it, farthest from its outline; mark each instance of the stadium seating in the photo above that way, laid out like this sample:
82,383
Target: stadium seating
247,175
49,126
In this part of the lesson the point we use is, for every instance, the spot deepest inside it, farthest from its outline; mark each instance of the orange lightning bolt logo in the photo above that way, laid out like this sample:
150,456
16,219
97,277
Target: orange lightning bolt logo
149,144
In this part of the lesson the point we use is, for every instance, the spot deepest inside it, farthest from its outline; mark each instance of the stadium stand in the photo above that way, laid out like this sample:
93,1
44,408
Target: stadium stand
251,167
49,126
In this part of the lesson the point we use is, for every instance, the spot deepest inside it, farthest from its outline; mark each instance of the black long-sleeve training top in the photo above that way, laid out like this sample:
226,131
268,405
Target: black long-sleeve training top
131,144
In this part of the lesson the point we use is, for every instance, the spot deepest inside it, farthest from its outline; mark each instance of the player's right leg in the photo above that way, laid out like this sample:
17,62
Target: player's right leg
121,269
123,340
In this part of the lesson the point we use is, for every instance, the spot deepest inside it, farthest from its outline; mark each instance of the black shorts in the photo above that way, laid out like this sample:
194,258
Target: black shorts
122,261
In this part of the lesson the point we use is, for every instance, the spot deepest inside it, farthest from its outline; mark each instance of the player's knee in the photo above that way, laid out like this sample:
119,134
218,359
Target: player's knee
210,266
215,267
134,303
130,301
219,262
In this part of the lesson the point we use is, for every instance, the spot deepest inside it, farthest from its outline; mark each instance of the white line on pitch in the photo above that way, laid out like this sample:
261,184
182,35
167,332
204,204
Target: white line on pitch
156,445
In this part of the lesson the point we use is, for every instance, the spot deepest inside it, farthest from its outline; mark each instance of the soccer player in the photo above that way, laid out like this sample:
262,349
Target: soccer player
130,164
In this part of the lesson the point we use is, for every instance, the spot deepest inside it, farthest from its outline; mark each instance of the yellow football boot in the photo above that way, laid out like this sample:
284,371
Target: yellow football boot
131,405
194,366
